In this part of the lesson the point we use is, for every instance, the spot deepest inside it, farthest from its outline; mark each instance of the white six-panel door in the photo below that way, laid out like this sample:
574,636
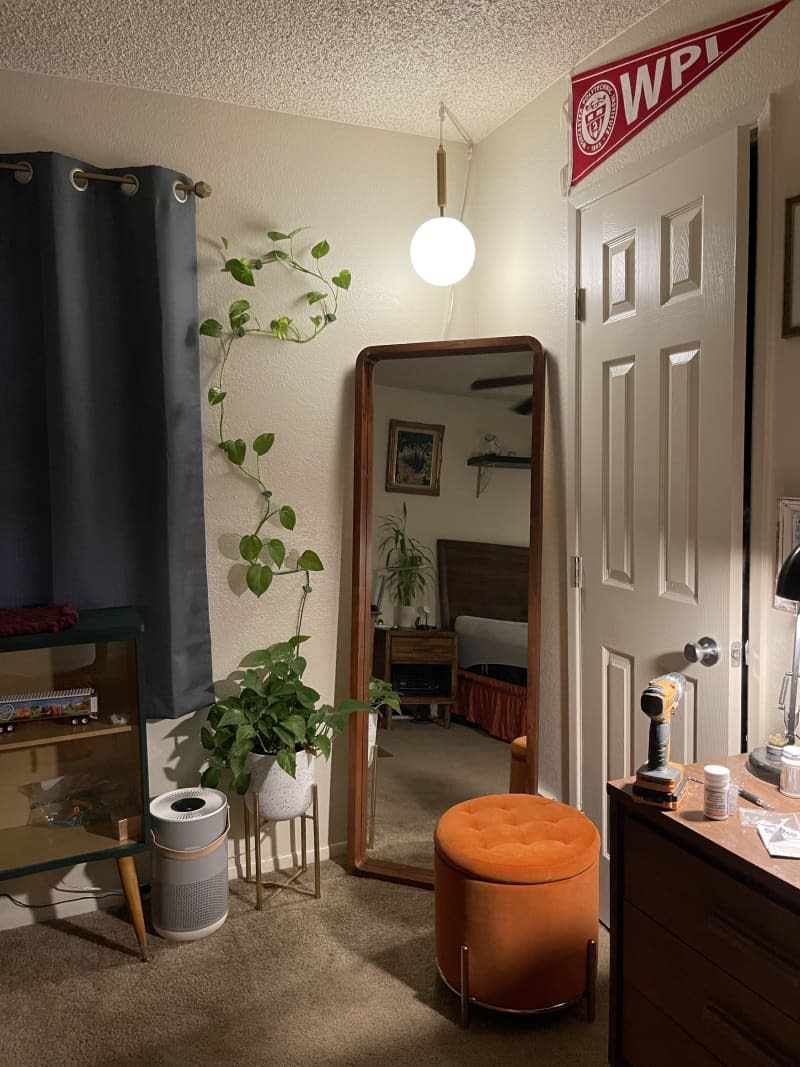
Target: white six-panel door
661,357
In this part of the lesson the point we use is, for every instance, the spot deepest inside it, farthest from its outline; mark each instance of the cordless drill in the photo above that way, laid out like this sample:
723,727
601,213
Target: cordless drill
659,782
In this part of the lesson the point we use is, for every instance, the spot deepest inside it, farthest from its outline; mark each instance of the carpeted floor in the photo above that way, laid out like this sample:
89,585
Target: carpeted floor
346,981
422,771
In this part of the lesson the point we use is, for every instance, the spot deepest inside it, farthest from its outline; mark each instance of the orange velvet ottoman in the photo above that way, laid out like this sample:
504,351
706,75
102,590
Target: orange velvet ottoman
517,903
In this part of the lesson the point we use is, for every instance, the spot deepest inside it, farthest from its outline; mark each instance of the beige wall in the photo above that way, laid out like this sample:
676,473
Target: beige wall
501,514
521,282
366,191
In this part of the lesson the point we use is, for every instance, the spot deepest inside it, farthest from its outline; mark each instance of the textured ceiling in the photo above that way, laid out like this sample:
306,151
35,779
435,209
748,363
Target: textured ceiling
370,62
453,375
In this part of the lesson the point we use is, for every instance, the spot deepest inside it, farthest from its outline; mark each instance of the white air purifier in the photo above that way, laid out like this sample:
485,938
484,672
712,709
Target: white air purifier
190,863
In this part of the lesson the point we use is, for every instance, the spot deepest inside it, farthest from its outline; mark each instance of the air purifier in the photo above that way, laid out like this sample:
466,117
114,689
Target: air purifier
190,862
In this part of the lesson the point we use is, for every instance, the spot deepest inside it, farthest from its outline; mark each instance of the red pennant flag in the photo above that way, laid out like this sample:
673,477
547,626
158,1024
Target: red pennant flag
610,104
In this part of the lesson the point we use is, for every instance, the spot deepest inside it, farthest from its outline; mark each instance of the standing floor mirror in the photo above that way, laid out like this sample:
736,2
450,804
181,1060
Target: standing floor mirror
446,587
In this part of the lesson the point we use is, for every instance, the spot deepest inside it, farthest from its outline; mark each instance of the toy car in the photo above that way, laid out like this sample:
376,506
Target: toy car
70,706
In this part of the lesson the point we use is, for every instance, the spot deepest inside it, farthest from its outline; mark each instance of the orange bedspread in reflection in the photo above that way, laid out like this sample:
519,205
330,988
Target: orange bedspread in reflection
498,707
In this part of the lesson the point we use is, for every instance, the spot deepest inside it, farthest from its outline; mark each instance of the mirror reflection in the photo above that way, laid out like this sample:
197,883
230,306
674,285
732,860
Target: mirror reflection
450,526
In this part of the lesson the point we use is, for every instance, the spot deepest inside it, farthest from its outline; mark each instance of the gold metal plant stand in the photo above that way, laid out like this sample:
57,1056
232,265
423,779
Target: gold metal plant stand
253,819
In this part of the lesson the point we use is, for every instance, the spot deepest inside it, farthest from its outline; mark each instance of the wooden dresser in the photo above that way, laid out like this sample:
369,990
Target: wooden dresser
705,935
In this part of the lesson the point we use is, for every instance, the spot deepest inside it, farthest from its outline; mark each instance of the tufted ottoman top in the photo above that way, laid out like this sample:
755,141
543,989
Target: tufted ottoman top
515,837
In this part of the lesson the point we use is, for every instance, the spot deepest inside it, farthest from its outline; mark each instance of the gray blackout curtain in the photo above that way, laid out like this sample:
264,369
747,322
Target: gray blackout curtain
101,492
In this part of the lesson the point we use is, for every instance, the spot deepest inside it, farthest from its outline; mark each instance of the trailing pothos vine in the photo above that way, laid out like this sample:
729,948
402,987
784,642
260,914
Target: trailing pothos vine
266,556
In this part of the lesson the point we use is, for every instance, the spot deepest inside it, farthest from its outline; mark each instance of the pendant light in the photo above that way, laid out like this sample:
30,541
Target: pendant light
442,249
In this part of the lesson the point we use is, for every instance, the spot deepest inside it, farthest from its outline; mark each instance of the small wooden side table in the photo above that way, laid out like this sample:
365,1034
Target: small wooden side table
421,665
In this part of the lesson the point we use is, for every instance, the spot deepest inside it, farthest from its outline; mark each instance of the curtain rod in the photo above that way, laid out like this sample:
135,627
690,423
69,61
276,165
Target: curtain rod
201,190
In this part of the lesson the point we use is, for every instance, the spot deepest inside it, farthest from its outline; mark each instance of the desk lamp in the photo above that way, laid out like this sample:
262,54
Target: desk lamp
765,762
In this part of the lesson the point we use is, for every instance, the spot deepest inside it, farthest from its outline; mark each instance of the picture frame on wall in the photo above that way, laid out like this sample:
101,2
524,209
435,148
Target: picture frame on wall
791,269
787,538
414,461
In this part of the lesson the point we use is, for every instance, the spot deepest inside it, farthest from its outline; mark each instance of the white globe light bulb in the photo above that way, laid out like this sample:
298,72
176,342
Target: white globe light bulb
442,251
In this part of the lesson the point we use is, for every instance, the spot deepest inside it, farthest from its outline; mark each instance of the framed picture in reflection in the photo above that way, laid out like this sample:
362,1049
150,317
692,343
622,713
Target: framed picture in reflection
414,462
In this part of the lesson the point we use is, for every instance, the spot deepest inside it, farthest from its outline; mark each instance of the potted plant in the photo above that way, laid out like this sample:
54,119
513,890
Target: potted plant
407,563
269,733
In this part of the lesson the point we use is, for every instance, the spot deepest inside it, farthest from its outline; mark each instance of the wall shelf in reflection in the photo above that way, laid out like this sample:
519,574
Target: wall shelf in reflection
492,459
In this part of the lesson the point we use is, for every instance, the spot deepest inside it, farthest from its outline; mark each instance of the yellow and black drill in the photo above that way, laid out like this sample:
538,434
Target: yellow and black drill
659,782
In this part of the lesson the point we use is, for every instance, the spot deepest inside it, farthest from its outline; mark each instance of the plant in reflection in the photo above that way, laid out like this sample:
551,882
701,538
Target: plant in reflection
382,695
407,562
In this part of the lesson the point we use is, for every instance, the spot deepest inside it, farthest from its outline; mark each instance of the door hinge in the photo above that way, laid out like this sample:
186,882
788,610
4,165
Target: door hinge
577,572
580,305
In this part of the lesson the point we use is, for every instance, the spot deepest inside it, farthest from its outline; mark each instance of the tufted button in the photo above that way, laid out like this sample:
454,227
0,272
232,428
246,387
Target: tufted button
517,838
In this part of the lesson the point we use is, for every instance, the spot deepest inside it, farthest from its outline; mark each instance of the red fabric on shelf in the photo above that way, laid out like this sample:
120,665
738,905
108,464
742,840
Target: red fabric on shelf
50,617
498,707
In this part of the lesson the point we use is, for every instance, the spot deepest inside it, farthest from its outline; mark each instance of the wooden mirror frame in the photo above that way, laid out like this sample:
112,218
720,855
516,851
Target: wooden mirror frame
362,628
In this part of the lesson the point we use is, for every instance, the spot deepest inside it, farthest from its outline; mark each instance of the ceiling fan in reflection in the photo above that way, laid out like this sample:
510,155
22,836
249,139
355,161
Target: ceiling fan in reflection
525,406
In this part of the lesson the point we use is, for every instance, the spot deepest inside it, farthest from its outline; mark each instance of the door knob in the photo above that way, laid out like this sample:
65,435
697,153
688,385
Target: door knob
705,651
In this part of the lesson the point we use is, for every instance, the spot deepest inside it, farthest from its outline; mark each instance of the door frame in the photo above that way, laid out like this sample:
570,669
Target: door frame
761,442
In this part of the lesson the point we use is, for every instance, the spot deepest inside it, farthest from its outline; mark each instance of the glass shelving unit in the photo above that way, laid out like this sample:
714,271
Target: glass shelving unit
76,793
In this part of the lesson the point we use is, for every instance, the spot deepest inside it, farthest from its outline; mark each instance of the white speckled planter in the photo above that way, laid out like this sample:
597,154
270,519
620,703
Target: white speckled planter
279,795
405,615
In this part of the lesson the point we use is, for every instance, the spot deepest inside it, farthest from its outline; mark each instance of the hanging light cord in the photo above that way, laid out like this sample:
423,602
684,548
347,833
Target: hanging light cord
445,111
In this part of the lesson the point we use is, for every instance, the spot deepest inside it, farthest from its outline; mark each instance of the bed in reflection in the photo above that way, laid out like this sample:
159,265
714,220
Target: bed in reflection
483,597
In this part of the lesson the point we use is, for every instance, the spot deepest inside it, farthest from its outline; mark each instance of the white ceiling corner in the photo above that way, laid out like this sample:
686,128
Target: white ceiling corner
373,63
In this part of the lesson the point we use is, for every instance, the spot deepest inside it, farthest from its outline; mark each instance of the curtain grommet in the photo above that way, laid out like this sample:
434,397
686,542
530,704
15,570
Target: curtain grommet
77,182
180,194
24,173
130,187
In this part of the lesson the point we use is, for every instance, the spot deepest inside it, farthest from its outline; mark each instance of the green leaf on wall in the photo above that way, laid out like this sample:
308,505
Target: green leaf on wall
321,249
280,327
277,551
237,313
211,328
240,270
216,396
342,279
263,443
234,450
259,578
287,517
310,561
249,547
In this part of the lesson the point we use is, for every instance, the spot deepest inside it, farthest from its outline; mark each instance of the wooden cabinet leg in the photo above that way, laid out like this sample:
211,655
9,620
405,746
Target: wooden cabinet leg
591,980
130,886
464,986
